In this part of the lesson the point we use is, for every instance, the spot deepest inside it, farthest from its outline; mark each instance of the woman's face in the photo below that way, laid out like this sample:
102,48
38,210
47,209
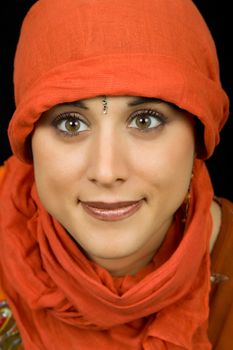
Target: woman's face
114,180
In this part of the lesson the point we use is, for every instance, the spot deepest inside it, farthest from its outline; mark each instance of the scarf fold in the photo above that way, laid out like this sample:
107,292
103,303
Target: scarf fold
70,50
74,49
52,275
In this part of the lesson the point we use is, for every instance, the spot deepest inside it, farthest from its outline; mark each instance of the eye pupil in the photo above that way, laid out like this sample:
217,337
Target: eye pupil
72,125
143,122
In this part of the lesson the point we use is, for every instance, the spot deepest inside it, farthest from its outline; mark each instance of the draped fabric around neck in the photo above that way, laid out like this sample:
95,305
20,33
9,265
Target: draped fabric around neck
53,274
74,49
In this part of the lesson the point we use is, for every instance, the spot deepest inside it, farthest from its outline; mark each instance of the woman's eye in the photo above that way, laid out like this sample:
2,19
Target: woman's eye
145,120
70,124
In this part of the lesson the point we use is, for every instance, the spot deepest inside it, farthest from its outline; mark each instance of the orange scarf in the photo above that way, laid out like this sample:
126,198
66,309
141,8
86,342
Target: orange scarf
74,49
60,298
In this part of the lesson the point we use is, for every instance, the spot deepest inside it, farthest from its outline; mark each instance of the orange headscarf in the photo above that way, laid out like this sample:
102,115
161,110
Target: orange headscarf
74,49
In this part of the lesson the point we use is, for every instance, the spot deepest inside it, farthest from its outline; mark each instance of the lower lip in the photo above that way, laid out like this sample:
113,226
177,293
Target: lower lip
112,214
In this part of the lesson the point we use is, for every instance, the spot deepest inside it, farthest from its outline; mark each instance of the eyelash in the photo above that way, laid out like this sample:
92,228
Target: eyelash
76,117
149,113
73,116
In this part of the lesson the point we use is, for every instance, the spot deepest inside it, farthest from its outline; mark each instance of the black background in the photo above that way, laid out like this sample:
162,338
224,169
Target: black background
218,17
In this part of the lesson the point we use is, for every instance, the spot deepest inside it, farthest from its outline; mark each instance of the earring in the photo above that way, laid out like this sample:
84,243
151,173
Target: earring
187,200
105,104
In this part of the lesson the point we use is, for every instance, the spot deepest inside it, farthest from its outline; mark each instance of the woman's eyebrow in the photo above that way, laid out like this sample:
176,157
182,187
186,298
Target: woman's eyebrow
140,100
137,101
79,104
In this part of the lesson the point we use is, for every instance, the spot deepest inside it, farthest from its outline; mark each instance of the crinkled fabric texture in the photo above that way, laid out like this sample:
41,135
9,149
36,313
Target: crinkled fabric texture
61,300
69,50
74,49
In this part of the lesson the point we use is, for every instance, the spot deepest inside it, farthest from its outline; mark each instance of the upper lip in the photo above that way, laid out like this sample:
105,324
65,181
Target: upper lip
107,205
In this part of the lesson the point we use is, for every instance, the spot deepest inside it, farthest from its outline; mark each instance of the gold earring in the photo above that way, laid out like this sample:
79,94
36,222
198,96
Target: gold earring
187,200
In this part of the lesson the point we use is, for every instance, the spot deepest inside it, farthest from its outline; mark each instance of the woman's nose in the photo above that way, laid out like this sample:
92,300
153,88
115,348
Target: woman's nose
107,165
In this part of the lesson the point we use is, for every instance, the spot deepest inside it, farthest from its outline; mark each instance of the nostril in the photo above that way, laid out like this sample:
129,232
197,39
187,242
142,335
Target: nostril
107,181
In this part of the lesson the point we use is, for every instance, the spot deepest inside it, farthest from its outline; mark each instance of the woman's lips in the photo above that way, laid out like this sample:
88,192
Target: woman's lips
111,211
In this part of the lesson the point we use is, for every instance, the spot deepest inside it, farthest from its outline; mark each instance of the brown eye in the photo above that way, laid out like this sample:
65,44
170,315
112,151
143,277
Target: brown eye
143,122
70,124
146,120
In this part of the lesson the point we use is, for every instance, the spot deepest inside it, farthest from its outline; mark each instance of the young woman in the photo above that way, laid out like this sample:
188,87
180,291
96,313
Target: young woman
111,237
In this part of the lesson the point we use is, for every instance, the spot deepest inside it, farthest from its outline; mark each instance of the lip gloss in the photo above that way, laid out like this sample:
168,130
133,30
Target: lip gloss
111,214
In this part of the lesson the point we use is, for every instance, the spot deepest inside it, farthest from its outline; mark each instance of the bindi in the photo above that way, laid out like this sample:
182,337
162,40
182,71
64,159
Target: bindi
105,104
